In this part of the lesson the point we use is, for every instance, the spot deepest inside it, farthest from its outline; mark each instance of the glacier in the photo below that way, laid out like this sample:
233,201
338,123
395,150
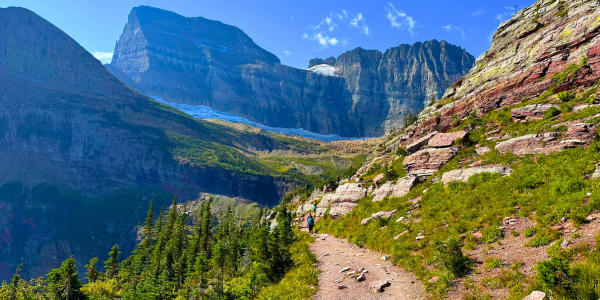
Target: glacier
206,112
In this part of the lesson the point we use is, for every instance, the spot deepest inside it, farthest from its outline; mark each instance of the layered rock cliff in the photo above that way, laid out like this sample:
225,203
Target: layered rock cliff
80,148
551,46
199,61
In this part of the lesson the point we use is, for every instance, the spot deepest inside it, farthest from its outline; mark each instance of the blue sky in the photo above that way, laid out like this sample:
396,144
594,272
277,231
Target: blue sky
296,31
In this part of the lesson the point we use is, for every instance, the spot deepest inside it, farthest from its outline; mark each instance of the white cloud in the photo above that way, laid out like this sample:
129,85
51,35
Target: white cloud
399,19
324,40
360,22
292,18
451,27
287,53
103,57
327,32
478,12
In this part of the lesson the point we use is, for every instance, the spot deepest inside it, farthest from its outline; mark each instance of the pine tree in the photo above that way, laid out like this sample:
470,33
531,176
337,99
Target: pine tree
148,230
206,228
113,265
172,218
219,258
156,259
64,283
197,280
92,274
174,246
15,282
194,247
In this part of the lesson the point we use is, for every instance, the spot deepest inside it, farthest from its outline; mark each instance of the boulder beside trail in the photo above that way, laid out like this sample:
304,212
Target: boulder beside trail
378,286
342,201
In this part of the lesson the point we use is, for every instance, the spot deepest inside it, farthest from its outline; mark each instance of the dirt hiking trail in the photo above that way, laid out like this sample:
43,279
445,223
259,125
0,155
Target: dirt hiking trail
342,262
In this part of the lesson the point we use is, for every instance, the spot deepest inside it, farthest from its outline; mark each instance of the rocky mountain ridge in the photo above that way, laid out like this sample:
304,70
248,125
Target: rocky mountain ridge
181,60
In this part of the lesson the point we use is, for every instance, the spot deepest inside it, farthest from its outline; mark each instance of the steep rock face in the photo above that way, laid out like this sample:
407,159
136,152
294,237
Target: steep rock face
78,146
540,41
199,61
318,61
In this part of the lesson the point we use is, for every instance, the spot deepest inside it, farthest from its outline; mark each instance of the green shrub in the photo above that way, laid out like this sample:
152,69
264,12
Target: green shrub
401,151
302,280
530,231
563,11
551,113
451,257
544,237
565,96
491,263
552,273
491,234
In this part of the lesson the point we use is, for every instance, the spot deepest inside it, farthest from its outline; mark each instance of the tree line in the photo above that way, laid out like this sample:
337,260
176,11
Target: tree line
180,256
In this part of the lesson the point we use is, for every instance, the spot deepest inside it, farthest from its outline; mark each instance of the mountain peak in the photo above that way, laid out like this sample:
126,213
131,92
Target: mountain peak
38,52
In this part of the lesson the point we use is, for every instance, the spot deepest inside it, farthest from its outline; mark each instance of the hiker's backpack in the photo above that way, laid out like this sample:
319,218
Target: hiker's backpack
311,221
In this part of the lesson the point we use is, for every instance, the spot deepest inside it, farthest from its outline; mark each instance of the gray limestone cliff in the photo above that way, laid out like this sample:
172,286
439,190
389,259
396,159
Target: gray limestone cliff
200,61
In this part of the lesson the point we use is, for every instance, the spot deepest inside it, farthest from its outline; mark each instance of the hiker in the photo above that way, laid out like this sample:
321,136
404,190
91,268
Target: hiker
315,208
338,178
311,223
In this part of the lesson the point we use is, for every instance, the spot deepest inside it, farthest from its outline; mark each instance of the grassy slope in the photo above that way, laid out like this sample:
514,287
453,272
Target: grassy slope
545,188
302,280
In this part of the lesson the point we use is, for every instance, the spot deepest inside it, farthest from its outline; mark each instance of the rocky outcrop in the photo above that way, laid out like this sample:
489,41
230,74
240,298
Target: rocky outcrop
531,112
465,174
342,201
427,161
318,61
441,140
378,215
199,61
527,54
403,186
577,135
419,143
383,191
536,295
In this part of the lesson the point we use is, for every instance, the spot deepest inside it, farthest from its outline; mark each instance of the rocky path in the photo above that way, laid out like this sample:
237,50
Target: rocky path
335,255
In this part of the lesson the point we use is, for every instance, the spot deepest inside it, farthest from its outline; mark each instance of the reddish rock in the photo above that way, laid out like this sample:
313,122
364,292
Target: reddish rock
378,178
446,139
434,279
428,161
383,191
365,221
401,234
465,174
416,200
383,214
531,112
475,164
378,286
420,143
558,227
579,134
477,235
536,295
403,186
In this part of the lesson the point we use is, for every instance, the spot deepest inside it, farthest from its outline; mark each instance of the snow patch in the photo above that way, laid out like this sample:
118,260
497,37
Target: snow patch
324,69
206,112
